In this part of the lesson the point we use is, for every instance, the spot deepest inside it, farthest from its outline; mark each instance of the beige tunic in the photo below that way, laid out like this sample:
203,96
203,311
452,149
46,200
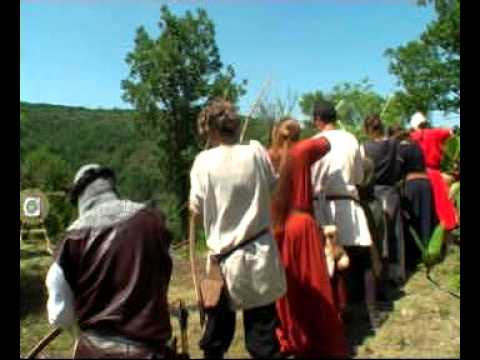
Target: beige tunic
231,187
338,173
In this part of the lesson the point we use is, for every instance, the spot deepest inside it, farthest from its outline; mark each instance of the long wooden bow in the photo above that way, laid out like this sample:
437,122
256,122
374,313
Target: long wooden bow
43,343
194,269
264,88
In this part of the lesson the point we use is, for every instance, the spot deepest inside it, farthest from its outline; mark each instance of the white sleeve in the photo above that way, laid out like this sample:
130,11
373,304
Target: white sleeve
60,303
271,174
197,193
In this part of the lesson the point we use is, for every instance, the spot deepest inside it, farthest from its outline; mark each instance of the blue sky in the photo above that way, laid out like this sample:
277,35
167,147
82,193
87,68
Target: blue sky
72,52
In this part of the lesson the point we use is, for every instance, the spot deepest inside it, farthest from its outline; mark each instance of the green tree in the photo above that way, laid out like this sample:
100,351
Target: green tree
359,100
48,172
428,68
44,170
170,78
354,101
308,100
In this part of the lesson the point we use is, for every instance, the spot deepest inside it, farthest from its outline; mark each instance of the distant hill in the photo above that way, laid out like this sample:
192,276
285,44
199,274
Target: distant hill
77,134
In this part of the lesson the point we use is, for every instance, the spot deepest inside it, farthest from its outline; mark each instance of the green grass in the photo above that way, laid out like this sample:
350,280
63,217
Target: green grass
424,323
34,263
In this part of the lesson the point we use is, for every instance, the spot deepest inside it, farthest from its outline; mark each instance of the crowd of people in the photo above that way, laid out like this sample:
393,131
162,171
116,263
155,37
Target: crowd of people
298,232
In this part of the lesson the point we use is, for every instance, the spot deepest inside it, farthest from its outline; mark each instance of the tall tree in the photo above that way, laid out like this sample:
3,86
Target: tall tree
356,101
428,68
170,78
353,101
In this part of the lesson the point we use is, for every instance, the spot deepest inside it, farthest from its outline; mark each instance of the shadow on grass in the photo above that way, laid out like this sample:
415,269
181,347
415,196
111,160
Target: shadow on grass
357,324
33,295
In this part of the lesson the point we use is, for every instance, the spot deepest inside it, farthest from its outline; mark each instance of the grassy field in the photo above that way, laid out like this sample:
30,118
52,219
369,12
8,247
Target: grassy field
425,321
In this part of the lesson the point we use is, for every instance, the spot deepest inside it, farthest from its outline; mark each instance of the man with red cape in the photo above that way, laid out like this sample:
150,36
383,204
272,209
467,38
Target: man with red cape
432,141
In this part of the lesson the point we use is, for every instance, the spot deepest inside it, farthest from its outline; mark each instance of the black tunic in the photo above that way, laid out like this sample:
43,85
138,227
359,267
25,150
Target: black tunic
386,158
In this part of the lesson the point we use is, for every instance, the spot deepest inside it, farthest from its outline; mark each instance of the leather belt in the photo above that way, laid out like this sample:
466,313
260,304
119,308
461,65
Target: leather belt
416,176
222,256
337,197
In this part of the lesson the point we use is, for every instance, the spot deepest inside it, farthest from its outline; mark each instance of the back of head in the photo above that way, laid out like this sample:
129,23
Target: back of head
325,112
288,129
373,125
219,115
398,132
92,176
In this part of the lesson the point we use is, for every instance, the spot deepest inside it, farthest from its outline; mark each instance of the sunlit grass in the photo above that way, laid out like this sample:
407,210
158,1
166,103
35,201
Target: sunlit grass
425,322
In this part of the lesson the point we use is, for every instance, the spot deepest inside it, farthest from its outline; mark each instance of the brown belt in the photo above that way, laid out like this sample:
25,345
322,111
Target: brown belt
416,176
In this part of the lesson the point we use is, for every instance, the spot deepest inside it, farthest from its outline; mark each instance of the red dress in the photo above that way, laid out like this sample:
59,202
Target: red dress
310,325
432,141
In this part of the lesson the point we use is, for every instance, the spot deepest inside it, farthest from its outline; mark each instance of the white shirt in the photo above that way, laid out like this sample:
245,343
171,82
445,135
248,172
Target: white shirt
231,189
338,173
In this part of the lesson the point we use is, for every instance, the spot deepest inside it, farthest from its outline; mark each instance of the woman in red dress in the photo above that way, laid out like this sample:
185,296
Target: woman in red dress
432,142
310,325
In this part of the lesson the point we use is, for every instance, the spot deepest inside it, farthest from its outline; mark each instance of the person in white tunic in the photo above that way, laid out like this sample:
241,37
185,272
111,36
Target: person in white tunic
335,178
231,187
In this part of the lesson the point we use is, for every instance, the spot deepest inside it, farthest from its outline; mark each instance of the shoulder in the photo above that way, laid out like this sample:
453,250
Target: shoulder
106,214
257,145
415,134
442,131
318,141
351,138
203,155
202,158
150,215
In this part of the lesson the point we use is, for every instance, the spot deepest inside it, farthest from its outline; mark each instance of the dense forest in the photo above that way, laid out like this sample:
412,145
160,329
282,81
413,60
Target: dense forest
56,140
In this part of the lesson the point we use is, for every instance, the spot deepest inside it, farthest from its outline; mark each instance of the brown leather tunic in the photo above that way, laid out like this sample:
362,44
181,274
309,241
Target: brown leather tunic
119,275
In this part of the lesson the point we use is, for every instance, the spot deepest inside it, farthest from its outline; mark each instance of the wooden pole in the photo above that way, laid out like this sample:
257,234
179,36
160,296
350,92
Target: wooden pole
254,107
390,98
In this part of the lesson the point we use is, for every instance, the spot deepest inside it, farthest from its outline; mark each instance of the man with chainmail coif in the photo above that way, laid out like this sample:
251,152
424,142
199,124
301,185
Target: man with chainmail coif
111,273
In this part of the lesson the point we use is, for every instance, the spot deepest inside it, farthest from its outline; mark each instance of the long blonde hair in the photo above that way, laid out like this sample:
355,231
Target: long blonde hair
279,136
282,143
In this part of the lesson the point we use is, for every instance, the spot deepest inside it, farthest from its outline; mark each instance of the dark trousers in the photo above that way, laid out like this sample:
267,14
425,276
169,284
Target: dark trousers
259,326
360,262
420,206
